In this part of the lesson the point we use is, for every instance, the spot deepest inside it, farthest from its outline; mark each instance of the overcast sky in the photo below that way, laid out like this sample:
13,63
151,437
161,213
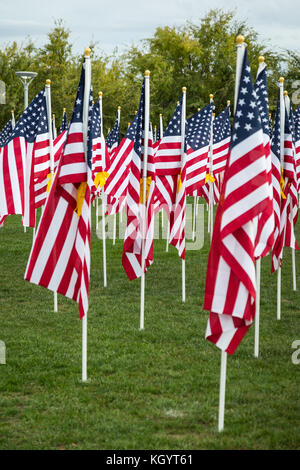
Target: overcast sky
118,23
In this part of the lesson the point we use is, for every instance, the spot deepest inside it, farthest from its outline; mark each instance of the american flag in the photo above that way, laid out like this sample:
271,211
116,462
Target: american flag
6,133
230,290
278,203
168,153
221,142
23,159
64,123
117,182
289,166
136,208
113,137
60,256
100,154
297,145
198,139
265,230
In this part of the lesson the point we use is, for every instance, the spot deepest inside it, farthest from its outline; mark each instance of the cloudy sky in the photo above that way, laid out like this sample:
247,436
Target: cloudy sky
118,23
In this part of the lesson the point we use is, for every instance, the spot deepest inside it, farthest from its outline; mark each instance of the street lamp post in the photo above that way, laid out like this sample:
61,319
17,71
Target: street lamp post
26,78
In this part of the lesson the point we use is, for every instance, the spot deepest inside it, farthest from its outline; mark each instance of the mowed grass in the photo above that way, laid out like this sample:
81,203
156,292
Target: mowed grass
151,389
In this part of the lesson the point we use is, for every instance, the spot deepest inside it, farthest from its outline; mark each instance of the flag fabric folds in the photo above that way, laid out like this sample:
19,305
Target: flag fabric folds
197,140
140,213
64,123
23,160
60,256
230,290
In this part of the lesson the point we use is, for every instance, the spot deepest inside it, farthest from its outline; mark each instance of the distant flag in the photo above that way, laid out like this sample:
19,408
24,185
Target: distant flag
297,145
23,160
54,131
230,290
266,224
198,139
64,123
100,154
6,133
138,209
113,137
60,256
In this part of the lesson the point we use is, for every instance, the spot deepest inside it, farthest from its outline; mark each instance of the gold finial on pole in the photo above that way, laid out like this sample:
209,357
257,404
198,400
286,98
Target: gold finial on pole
261,59
160,115
100,93
211,96
198,109
281,79
64,110
240,39
184,89
228,102
53,116
147,73
93,102
285,93
87,52
48,82
135,112
119,107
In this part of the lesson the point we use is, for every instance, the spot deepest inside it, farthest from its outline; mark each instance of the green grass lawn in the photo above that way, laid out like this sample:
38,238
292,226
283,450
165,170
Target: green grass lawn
151,389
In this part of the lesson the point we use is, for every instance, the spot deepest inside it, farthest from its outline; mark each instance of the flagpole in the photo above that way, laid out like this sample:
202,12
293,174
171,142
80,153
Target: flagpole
183,119
239,62
48,104
100,94
261,62
161,132
210,208
282,120
86,98
144,215
257,308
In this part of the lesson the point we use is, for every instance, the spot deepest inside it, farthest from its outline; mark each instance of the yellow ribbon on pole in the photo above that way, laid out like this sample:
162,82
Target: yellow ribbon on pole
179,183
282,184
49,182
80,197
148,183
101,178
210,178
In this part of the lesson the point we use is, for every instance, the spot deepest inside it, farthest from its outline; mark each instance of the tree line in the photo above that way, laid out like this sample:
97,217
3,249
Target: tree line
199,55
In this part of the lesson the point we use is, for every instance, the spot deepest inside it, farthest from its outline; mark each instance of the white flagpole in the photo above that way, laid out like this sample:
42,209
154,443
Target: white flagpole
144,215
261,66
239,62
282,120
194,218
103,196
86,102
48,103
288,109
54,128
257,311
211,207
183,119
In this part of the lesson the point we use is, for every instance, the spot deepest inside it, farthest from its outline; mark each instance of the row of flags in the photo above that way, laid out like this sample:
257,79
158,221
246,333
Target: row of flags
256,191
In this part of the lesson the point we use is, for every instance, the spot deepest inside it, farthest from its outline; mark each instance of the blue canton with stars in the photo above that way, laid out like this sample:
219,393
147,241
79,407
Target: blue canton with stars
247,120
64,123
221,126
114,135
174,126
275,142
198,128
135,130
6,133
77,115
33,121
261,91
